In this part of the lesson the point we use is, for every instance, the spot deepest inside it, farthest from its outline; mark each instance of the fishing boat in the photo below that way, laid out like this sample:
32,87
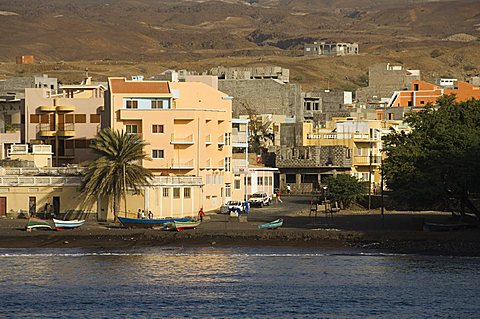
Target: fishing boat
272,225
181,225
148,223
67,224
37,223
427,226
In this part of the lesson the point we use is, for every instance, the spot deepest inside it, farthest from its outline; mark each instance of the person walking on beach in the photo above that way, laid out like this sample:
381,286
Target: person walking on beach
201,214
143,214
139,213
150,214
278,196
288,189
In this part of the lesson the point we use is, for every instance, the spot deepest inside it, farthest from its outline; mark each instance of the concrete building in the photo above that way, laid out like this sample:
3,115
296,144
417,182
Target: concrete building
383,80
68,121
322,106
24,59
251,73
10,122
188,126
263,97
330,49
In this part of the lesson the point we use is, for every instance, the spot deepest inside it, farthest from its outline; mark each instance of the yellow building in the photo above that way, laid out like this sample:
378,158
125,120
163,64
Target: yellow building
362,137
187,126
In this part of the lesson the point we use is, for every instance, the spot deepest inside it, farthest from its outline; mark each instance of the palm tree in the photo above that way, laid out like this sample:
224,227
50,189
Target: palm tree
118,167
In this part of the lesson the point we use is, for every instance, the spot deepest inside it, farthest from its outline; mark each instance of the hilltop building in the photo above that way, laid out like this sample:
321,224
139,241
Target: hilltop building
330,48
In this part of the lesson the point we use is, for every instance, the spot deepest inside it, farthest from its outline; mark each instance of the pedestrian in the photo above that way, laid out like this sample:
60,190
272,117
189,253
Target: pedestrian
201,214
150,214
278,196
288,189
143,214
51,213
275,196
139,213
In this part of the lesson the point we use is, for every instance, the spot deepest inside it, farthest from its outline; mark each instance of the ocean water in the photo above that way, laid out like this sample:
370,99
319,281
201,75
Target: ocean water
249,282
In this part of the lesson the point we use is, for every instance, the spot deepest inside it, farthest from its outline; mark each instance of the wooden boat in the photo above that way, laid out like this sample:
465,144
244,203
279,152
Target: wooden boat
181,225
148,223
37,223
67,224
427,226
272,225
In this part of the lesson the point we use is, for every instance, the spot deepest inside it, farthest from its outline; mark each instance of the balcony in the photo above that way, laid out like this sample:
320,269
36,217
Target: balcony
239,139
221,140
49,130
365,137
66,130
374,160
208,139
46,130
182,165
182,140
47,108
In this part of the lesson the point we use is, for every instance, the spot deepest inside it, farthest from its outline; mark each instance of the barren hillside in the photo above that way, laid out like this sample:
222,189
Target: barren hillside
158,34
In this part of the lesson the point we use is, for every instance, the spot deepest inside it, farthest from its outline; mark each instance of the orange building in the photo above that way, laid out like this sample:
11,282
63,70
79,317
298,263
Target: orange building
24,59
422,93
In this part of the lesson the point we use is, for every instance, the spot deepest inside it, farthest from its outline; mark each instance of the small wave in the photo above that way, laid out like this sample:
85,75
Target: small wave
7,255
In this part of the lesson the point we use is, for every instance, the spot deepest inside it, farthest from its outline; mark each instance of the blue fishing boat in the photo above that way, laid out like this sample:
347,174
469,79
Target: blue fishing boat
272,225
149,223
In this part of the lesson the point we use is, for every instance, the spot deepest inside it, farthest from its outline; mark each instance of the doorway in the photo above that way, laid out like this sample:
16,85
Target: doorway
3,206
32,206
56,206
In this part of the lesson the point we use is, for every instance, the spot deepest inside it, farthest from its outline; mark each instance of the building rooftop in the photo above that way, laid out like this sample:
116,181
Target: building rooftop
122,85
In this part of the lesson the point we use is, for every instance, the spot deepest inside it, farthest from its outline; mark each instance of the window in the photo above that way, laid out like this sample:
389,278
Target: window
176,192
186,192
69,118
34,118
207,179
214,179
157,153
237,184
270,180
166,192
94,118
259,180
290,178
157,104
228,190
227,138
422,102
157,128
227,164
80,118
131,129
131,104
249,180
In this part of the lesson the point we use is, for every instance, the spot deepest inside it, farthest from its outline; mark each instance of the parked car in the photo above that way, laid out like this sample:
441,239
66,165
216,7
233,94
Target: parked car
233,206
260,199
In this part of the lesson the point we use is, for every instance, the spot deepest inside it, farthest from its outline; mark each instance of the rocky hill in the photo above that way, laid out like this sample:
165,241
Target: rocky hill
199,33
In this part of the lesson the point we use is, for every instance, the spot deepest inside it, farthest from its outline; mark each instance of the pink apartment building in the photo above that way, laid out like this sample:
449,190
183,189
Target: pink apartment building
188,127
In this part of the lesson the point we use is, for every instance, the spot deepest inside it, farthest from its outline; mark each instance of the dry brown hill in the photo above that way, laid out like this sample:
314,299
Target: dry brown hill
160,34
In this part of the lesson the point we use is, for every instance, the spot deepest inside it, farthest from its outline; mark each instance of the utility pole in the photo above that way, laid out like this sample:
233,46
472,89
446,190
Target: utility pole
370,181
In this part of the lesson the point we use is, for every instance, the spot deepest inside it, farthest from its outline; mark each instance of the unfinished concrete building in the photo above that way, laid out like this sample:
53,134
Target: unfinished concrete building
330,48
383,80
321,106
266,96
251,73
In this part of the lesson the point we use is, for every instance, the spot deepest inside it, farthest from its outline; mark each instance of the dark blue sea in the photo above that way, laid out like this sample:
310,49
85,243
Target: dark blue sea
260,282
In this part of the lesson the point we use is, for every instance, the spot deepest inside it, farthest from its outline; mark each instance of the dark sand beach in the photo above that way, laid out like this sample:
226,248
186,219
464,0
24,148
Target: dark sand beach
400,232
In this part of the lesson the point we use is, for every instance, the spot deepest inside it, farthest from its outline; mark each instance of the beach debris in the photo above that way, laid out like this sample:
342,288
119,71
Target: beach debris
213,242
66,242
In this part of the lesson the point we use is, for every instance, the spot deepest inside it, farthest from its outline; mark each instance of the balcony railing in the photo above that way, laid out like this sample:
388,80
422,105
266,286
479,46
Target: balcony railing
186,140
367,160
182,165
239,138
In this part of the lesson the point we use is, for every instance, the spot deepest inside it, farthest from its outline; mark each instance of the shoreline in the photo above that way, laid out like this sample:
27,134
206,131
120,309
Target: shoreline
96,236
